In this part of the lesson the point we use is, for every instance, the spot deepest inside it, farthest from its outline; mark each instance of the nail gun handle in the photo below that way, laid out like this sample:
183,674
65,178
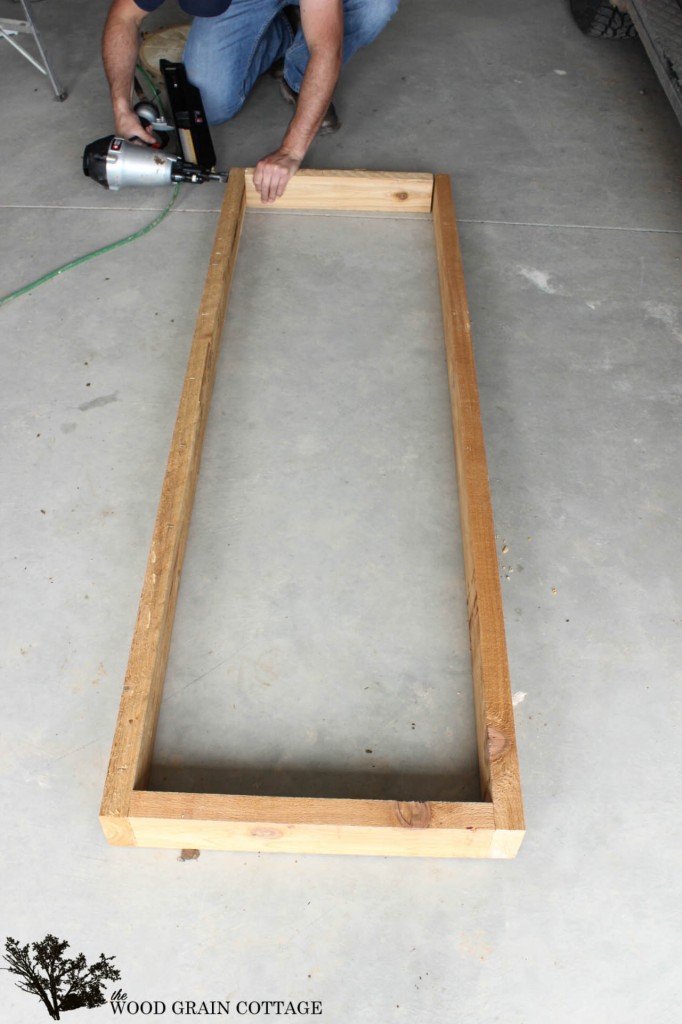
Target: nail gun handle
150,118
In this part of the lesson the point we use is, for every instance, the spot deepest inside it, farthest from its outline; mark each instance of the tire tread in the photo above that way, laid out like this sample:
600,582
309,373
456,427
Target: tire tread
600,18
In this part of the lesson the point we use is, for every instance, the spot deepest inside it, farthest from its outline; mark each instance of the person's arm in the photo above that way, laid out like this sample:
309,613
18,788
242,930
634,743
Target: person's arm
322,22
120,45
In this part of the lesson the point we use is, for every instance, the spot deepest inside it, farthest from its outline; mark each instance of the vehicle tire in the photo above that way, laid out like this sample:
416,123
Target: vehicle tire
601,18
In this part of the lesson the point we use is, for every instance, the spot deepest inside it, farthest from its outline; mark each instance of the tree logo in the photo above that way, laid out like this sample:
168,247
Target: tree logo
59,982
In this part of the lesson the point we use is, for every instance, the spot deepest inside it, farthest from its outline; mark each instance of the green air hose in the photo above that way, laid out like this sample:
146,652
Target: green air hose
105,248
96,252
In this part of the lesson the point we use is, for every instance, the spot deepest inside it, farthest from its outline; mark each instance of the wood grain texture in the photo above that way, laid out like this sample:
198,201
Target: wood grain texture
321,811
298,824
117,830
493,828
499,769
139,708
360,191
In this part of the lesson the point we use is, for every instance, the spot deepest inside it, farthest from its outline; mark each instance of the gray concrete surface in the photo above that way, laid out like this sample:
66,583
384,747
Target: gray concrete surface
565,161
321,635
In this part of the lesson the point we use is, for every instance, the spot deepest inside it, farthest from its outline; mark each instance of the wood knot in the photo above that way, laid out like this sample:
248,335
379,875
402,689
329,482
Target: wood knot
497,743
412,814
402,196
263,832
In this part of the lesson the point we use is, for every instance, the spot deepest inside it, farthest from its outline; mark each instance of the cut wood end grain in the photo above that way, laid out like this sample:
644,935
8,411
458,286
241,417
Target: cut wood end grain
117,830
506,843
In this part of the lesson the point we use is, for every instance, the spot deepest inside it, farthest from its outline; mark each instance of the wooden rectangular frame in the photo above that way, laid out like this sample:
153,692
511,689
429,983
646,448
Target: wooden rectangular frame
494,827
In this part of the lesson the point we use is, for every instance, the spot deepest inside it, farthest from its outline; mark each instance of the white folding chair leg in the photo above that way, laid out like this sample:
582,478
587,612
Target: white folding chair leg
10,27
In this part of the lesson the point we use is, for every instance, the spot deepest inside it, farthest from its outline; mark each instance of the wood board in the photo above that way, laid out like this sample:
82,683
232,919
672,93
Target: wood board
494,827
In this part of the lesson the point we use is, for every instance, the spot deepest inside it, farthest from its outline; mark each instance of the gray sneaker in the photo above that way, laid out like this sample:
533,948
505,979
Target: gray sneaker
330,122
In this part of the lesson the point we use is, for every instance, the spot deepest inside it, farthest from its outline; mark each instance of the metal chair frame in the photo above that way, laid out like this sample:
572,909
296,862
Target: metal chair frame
11,27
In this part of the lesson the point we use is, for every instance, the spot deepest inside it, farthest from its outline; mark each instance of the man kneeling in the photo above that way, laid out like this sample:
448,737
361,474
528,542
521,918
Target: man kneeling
231,43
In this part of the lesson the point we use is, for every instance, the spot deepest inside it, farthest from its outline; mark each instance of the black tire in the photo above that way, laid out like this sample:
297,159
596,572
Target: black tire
600,18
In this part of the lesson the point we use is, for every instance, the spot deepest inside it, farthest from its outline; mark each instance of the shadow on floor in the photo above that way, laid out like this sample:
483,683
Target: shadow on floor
359,785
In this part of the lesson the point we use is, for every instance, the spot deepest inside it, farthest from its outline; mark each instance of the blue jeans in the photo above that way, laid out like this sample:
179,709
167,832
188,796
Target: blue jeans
224,56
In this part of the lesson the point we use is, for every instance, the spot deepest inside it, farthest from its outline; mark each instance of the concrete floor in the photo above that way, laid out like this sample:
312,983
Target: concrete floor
565,161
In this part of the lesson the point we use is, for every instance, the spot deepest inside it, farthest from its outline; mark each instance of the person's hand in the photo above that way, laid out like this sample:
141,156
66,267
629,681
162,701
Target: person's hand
128,126
273,172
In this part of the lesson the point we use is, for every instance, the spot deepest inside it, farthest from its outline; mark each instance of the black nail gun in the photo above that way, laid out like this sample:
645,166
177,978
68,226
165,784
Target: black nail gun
118,163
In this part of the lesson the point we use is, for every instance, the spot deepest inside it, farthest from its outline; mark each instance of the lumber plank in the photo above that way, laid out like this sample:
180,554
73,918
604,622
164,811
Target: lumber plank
314,839
301,824
139,708
498,761
323,811
350,191
491,828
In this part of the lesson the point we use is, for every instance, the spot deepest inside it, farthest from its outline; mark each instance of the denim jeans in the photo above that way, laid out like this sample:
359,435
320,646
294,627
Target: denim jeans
225,55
